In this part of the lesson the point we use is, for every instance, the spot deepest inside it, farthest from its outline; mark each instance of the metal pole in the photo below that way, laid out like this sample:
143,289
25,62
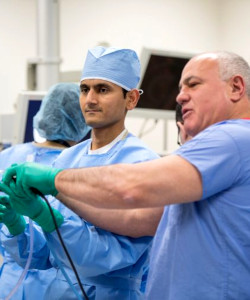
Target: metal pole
48,60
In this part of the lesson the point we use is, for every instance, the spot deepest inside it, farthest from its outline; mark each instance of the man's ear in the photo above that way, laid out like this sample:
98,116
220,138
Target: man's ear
132,98
237,87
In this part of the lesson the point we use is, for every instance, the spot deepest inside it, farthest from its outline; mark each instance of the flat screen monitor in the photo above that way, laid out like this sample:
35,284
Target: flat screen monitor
161,72
28,104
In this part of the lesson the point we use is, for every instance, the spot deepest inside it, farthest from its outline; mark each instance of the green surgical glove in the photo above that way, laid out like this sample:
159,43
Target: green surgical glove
34,207
32,175
14,222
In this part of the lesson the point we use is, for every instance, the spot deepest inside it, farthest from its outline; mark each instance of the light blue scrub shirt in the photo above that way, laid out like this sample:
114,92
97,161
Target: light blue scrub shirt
36,281
110,266
202,249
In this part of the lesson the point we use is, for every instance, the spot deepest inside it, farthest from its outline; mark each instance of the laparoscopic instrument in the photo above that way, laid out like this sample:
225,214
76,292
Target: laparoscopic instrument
31,252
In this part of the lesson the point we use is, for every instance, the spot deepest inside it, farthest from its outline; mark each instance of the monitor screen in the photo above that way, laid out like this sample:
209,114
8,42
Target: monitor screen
33,107
28,104
161,72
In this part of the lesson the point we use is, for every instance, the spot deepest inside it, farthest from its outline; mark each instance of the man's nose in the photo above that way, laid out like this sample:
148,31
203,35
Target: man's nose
182,97
92,96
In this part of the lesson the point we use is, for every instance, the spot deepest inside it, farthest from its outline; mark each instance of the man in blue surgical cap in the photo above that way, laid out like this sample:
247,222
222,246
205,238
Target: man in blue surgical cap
110,266
60,122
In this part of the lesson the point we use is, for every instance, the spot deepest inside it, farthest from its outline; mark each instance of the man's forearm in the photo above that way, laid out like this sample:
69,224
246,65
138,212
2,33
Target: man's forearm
131,222
154,183
99,186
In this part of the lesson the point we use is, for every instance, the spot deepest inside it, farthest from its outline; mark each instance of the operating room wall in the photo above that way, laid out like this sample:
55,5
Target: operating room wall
234,24
184,25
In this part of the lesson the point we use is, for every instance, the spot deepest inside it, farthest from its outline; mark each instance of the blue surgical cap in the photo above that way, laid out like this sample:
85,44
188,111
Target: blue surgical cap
60,115
117,65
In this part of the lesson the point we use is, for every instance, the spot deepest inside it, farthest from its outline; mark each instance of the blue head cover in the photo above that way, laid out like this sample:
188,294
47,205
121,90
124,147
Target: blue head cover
117,65
60,115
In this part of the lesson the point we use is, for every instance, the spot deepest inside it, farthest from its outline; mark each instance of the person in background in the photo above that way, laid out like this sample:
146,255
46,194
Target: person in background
110,266
182,136
59,121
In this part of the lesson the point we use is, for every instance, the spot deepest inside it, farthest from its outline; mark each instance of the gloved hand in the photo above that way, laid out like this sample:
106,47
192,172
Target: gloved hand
32,175
34,207
14,222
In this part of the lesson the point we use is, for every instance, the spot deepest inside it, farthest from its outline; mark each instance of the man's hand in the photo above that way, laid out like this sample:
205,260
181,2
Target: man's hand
27,205
31,175
33,206
14,221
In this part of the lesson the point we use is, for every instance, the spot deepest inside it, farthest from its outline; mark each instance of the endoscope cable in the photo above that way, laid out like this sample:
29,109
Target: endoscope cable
62,242
31,251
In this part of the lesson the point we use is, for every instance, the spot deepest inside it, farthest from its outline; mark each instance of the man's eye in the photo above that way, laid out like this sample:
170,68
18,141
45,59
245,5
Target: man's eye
103,90
84,90
193,84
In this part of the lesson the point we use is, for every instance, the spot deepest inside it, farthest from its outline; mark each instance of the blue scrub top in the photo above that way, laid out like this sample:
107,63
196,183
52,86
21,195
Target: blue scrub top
202,249
110,266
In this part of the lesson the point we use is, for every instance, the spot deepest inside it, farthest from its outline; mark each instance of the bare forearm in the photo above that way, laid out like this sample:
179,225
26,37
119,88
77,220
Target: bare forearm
99,186
131,222
150,184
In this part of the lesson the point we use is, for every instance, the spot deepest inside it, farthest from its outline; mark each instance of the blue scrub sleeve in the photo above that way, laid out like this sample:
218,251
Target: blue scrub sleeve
95,251
216,158
18,247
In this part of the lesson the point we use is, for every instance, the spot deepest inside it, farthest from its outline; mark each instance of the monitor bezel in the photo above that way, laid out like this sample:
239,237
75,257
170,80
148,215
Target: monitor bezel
22,106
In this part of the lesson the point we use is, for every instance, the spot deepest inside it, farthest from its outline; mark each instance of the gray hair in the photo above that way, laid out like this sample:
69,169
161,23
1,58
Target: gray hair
231,64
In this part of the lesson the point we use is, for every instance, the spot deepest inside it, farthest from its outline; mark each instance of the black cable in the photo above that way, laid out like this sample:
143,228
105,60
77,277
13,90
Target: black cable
62,242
